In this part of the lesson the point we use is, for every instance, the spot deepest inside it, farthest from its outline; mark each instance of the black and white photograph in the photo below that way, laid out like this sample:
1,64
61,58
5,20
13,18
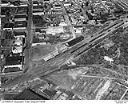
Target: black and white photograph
64,50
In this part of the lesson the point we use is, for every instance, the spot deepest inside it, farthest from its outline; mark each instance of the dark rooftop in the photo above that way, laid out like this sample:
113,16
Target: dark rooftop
27,94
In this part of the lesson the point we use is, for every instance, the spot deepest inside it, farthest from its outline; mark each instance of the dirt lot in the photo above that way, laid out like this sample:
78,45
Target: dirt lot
41,50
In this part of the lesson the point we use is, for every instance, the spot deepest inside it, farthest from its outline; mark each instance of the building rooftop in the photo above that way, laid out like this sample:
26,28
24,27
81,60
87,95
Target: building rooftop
27,94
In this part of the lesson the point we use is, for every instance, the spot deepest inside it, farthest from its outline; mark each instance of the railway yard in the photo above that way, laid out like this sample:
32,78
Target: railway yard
64,49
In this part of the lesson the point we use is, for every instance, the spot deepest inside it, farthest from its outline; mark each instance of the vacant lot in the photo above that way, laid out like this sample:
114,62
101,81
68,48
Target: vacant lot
41,50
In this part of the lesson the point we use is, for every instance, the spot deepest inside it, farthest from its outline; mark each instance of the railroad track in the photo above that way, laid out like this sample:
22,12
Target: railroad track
96,40
77,50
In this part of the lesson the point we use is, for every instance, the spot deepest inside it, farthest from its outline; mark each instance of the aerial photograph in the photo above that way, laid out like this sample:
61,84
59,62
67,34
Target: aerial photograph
63,49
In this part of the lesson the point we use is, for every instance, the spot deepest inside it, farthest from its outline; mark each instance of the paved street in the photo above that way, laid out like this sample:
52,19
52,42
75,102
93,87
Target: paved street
29,37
